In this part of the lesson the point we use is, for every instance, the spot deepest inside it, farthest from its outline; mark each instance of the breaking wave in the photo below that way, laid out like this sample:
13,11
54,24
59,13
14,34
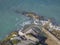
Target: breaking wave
20,24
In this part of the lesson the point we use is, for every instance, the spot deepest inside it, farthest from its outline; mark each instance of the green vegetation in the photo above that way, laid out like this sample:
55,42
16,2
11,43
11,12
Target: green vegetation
37,43
6,41
10,36
30,44
15,41
16,33
29,34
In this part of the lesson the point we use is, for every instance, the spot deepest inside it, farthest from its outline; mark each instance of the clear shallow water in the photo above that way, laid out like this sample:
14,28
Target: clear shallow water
9,19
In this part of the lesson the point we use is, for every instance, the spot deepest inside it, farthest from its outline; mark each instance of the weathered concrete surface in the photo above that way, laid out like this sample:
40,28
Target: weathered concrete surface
52,38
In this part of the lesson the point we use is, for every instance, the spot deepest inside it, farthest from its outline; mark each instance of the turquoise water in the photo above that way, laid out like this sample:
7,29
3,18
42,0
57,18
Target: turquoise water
9,19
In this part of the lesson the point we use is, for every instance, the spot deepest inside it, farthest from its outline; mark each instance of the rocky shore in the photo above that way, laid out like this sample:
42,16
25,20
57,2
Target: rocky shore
32,33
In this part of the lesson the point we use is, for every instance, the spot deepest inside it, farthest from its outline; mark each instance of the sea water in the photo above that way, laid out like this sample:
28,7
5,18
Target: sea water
10,20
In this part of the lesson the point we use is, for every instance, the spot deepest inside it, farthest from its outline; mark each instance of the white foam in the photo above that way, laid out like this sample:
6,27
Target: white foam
26,23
